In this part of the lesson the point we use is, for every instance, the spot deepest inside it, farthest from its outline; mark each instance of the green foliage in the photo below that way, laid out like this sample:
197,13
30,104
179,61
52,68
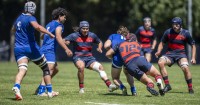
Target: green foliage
95,89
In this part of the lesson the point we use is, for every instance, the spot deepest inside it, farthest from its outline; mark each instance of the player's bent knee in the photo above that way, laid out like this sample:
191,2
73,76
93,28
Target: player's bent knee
184,65
96,66
23,66
162,60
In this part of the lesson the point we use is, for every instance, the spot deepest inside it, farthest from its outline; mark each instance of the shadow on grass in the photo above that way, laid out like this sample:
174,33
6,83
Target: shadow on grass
114,94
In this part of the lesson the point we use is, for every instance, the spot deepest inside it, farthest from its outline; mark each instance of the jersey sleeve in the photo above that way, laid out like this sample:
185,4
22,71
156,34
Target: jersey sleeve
154,34
110,37
96,39
164,38
189,38
32,18
70,37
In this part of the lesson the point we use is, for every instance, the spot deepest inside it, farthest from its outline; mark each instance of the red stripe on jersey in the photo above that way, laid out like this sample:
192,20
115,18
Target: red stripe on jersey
176,36
143,45
84,39
79,48
146,33
84,54
146,40
174,46
131,57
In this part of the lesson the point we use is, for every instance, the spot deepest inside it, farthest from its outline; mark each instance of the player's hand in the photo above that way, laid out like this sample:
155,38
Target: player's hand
67,42
68,52
51,35
99,50
157,54
193,61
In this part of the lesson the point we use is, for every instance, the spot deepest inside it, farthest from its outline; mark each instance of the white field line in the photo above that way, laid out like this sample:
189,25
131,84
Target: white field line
113,104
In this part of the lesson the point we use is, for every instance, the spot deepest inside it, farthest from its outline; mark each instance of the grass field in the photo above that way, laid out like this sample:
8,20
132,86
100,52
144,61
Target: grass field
96,92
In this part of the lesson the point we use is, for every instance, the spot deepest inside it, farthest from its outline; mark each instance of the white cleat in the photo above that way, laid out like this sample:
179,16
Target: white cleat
112,88
18,95
81,91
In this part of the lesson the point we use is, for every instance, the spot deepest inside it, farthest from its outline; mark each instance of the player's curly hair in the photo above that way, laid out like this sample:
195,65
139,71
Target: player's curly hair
123,30
59,12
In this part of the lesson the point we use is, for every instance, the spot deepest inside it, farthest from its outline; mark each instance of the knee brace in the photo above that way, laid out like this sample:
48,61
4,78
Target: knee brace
41,62
184,64
96,67
22,66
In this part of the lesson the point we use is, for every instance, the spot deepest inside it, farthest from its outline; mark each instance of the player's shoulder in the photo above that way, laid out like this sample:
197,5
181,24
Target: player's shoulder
91,34
141,28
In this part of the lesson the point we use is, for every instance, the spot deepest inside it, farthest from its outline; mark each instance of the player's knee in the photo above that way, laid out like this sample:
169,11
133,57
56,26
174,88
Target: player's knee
23,66
184,65
97,67
162,60
41,62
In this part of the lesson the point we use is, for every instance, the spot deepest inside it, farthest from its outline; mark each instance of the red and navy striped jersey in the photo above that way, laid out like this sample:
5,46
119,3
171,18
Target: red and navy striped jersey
177,41
82,45
128,50
145,37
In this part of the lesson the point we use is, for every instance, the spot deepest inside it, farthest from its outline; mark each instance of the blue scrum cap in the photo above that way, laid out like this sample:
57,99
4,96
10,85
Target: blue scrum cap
84,24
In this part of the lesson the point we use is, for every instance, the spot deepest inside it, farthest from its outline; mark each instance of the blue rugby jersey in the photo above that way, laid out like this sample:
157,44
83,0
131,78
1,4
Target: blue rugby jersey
145,37
50,44
82,45
116,39
24,36
177,41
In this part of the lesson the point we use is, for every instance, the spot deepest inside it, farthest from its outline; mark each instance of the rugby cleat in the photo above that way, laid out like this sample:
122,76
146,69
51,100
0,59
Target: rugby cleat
161,91
191,91
167,88
152,91
112,88
81,91
18,95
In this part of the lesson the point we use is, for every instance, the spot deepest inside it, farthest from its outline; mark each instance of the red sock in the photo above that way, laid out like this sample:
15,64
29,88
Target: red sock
158,77
189,83
81,85
166,81
107,82
150,84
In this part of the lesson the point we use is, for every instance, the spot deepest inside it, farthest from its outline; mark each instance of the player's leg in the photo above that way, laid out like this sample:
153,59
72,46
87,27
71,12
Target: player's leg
148,56
96,66
42,87
149,83
130,81
158,78
164,60
115,73
22,69
41,62
183,63
134,71
80,64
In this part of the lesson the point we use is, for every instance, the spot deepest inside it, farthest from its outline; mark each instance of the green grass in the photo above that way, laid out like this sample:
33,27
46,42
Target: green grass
96,92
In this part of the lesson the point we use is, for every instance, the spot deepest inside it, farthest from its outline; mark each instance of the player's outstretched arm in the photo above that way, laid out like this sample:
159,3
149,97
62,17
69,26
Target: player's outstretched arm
41,29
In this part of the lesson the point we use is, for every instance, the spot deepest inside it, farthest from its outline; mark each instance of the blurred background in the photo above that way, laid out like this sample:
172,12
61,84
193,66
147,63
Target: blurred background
104,16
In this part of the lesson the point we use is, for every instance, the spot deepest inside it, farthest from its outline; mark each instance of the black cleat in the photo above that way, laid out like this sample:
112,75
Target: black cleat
162,93
152,91
191,91
167,88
